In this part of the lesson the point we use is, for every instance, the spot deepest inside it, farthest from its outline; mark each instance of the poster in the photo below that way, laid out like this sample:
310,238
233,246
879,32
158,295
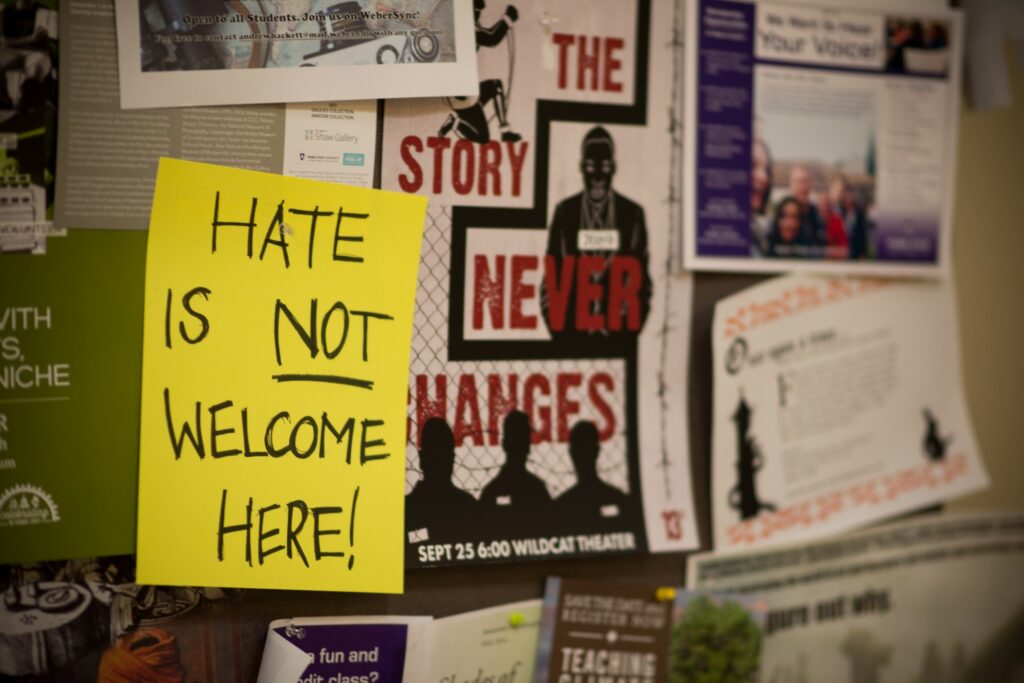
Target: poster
344,650
87,620
935,598
275,364
838,402
28,123
173,53
70,355
632,632
107,159
497,644
821,138
548,371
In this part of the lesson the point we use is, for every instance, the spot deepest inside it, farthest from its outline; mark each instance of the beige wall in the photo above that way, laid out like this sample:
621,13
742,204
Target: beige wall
989,270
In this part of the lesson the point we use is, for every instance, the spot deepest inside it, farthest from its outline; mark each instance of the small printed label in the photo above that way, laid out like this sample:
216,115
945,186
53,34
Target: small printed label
609,510
419,535
504,500
353,159
598,240
24,504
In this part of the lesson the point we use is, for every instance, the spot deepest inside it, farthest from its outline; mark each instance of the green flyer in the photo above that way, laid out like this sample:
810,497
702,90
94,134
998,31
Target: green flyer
70,360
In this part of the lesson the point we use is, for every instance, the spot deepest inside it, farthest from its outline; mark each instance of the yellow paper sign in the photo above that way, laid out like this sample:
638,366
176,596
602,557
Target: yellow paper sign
275,372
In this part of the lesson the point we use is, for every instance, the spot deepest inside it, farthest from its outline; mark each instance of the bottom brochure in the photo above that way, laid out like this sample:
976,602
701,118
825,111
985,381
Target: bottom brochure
932,599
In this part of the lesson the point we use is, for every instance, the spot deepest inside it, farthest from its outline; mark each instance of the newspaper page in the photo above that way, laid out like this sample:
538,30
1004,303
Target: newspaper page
820,138
184,53
936,599
548,385
107,156
837,402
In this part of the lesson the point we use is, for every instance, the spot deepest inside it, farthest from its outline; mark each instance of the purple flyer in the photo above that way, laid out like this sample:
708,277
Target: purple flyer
820,138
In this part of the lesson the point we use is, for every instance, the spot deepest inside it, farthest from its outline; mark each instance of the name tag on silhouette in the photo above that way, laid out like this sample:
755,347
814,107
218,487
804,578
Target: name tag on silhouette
609,510
419,535
597,240
504,500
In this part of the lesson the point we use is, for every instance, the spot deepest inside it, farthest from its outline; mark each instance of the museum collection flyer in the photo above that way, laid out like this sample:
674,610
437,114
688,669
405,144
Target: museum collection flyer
549,353
173,53
837,402
934,598
820,138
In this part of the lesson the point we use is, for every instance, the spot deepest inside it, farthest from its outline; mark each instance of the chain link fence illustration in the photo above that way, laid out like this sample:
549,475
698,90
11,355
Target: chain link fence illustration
476,465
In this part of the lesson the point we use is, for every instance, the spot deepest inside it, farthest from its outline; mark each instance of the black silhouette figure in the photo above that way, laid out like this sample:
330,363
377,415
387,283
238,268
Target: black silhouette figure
468,118
743,496
591,502
598,210
934,444
516,499
436,504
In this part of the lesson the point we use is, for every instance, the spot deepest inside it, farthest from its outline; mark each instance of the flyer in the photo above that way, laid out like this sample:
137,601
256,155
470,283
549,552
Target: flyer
70,355
87,620
548,371
838,402
601,631
493,645
181,54
275,364
821,137
107,156
28,123
935,598
344,649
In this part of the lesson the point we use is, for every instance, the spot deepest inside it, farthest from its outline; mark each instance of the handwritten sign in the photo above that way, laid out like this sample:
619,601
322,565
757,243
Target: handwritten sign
275,371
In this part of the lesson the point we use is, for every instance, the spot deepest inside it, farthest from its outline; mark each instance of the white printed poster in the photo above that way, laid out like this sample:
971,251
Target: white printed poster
488,645
547,396
175,54
931,599
820,138
837,402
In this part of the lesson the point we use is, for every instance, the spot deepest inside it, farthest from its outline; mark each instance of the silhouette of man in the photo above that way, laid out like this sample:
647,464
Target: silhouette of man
608,230
436,504
591,502
468,117
517,498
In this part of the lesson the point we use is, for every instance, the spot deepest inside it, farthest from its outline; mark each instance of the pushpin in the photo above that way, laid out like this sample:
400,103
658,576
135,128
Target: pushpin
515,620
665,594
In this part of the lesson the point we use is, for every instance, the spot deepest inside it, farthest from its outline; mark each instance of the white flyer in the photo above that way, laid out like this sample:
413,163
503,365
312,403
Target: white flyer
935,598
173,53
838,402
497,644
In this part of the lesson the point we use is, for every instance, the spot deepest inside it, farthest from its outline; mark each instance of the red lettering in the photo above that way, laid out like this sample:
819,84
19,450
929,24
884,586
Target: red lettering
587,62
541,427
467,398
464,156
587,292
490,166
516,161
624,293
557,292
414,183
567,407
426,407
489,292
438,145
611,64
602,379
499,404
563,41
521,291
